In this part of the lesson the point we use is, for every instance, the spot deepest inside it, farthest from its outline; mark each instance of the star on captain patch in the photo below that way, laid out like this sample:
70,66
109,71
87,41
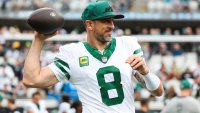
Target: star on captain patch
83,61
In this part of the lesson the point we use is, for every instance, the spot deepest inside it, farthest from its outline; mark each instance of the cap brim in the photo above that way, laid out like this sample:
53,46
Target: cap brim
116,16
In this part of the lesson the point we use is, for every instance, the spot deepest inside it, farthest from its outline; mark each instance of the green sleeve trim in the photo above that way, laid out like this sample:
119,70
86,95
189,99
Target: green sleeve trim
137,51
61,62
58,63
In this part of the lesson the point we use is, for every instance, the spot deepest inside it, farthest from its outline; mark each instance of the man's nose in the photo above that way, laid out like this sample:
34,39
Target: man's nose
111,25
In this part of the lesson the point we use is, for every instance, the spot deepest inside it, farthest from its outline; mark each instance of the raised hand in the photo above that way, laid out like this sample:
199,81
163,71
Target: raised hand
138,63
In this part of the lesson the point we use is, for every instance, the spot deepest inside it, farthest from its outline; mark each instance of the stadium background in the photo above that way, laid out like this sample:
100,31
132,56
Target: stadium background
168,31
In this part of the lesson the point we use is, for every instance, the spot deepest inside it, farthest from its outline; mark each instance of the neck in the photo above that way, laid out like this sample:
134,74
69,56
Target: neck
12,107
186,92
144,108
36,102
97,44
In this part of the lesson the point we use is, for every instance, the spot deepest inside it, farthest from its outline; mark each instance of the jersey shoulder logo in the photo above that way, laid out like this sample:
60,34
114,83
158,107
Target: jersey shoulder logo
83,61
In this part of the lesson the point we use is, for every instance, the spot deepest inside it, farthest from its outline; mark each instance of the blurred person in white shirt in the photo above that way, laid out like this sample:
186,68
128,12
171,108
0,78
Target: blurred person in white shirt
36,105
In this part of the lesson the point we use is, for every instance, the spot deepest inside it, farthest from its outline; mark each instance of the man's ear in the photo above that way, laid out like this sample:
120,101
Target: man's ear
89,24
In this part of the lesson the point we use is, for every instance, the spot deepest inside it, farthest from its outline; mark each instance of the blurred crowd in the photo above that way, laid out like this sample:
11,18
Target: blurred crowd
172,62
138,30
118,5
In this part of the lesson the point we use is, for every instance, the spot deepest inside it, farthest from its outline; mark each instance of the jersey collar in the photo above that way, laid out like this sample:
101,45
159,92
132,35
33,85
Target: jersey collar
103,57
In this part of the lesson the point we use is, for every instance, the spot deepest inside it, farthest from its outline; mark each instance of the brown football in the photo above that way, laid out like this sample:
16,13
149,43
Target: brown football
46,20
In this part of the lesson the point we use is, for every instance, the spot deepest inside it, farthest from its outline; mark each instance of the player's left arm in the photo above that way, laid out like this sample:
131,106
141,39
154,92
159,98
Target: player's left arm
142,73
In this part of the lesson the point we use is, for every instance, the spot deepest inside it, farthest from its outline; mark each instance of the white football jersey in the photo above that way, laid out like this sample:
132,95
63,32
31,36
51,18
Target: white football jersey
103,79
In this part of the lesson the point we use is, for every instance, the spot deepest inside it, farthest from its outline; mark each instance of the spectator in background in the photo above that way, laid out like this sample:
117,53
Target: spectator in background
196,88
163,50
170,93
196,71
176,49
36,105
176,32
198,51
162,72
6,77
197,30
2,51
127,31
184,103
144,31
78,106
187,46
4,4
197,96
187,74
65,5
65,106
168,31
173,79
20,90
144,106
1,99
137,89
155,31
2,109
12,108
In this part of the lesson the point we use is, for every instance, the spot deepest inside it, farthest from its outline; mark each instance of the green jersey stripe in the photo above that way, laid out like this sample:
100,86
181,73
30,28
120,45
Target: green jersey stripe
137,51
62,62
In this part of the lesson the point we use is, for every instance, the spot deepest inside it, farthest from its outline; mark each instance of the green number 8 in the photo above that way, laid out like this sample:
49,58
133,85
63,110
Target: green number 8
105,86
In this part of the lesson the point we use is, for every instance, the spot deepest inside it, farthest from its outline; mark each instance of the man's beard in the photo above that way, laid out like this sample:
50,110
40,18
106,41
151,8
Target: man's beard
102,38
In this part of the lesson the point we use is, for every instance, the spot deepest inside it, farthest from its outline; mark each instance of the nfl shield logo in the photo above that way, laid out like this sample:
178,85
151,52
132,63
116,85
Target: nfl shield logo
104,59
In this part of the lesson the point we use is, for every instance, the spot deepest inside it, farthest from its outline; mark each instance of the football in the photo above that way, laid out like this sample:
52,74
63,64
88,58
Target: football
46,20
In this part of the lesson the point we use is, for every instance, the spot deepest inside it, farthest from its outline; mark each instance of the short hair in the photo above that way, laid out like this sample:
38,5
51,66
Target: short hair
144,101
65,98
36,93
11,100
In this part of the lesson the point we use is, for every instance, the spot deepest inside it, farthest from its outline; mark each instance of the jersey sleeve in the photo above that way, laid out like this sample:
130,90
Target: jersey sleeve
132,45
60,65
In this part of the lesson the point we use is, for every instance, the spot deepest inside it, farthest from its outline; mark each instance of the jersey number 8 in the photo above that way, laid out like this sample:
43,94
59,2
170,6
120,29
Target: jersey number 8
106,86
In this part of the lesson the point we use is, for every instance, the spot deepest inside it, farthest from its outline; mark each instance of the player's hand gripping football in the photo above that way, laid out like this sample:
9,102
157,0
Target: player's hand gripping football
138,63
43,37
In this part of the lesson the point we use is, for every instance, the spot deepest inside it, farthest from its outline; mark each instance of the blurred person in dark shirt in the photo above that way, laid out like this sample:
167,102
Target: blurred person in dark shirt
187,74
65,105
77,105
2,109
12,108
176,49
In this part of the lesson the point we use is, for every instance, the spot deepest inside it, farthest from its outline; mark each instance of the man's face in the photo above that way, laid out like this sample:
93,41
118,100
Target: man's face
102,29
36,98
